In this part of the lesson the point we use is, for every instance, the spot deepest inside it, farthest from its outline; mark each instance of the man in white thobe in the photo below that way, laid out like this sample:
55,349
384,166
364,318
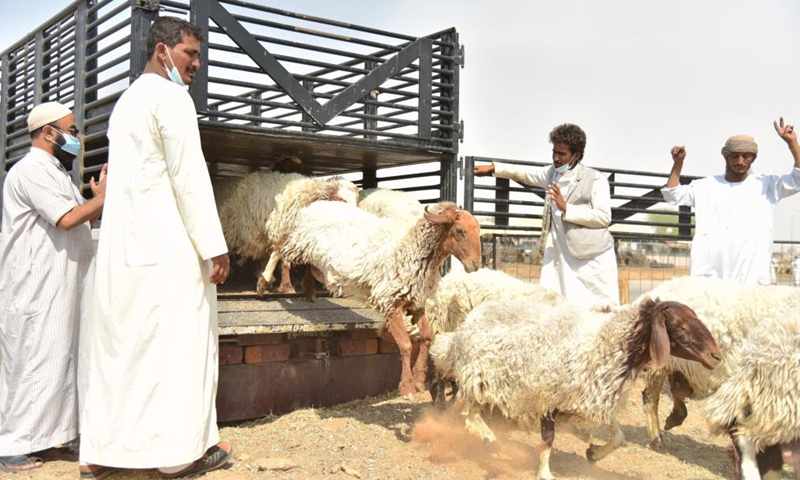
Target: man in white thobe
734,212
578,259
45,266
153,359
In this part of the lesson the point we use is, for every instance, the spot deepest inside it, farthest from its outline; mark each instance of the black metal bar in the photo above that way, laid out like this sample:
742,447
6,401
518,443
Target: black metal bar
113,12
94,56
110,31
199,14
78,108
107,82
140,24
4,90
469,183
425,65
37,72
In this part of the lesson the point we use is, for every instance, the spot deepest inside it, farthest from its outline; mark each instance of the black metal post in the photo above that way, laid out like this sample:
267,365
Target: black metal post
685,221
80,84
469,183
141,19
449,170
4,95
38,48
502,193
425,88
199,12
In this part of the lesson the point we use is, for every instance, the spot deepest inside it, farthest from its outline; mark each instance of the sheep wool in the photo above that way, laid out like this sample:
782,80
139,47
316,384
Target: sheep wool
525,360
761,394
368,256
395,204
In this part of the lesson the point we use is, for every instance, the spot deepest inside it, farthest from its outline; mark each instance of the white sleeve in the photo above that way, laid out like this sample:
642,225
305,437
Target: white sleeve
177,123
531,176
679,195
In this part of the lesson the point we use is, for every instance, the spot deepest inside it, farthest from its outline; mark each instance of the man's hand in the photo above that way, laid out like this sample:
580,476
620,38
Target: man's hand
554,193
221,268
786,132
99,188
678,153
484,170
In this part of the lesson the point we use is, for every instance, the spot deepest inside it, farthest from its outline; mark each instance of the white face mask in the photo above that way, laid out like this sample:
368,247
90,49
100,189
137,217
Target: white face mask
173,72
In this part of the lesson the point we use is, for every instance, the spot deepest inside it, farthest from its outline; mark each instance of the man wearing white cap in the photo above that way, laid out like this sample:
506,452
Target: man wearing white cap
154,358
735,212
45,259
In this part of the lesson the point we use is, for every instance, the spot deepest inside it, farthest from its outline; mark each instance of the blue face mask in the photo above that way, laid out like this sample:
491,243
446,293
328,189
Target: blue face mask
173,72
71,144
562,168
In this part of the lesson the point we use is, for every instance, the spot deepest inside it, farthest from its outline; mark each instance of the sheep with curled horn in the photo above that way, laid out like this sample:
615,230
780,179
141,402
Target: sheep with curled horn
535,364
393,266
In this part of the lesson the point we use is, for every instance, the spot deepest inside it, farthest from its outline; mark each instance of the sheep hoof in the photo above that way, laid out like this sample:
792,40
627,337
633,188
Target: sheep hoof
674,420
591,453
420,387
657,445
286,289
261,286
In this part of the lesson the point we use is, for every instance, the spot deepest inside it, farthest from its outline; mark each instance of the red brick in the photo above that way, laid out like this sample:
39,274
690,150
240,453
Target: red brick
230,354
362,333
351,347
261,339
267,353
388,346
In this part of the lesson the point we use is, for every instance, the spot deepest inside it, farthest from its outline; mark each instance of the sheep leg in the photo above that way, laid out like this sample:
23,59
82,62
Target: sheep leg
770,462
650,397
309,287
475,425
746,452
267,276
680,389
421,366
286,279
548,428
397,329
595,453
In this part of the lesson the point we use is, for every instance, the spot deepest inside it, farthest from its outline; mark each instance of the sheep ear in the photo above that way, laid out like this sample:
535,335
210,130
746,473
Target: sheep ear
447,215
659,339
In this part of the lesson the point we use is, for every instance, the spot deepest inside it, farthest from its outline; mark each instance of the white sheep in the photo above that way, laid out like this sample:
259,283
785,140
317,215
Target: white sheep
394,204
535,364
395,268
459,292
258,210
758,404
732,313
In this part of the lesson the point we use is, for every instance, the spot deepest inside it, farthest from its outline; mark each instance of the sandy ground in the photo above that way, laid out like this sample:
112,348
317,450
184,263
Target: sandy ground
387,437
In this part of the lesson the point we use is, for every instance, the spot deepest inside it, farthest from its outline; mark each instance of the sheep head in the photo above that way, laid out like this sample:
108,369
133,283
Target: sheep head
462,237
670,328
342,190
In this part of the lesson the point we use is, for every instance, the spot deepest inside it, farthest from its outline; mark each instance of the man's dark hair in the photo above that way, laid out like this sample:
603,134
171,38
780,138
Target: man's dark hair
571,135
35,134
170,31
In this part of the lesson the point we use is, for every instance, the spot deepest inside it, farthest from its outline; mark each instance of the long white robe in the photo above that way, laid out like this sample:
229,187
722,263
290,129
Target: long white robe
153,360
733,224
43,298
587,282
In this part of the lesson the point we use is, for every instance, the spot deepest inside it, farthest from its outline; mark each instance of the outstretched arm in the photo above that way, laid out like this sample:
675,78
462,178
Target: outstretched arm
678,155
789,136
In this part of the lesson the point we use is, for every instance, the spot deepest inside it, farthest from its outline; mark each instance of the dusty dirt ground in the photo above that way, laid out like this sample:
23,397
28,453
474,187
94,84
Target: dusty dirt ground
388,437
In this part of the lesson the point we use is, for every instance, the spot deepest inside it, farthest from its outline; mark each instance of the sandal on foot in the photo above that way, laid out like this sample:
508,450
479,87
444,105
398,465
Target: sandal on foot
97,472
214,458
19,463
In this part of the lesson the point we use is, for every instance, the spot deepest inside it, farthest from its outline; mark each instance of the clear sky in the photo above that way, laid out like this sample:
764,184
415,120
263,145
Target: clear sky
638,76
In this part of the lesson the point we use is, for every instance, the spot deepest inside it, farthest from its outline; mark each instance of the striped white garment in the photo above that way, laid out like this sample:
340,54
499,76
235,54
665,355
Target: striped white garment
43,275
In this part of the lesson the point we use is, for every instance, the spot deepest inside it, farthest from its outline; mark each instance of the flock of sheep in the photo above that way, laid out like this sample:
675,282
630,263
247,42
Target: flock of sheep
516,348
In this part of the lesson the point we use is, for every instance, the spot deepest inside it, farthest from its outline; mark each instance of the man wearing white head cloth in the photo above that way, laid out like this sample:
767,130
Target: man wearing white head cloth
735,212
45,268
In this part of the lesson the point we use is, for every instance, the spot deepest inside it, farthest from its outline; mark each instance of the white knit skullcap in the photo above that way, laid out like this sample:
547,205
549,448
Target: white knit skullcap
46,113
